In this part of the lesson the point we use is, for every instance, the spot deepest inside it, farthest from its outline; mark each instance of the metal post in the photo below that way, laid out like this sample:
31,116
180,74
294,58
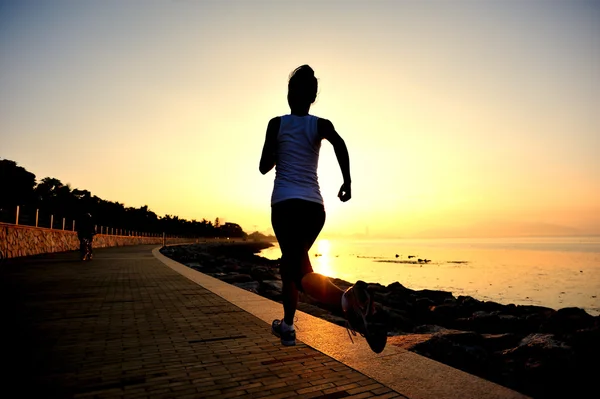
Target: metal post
63,223
164,239
51,220
73,225
17,221
37,214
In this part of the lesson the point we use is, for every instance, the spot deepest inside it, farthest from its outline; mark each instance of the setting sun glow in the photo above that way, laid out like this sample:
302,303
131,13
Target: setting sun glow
461,118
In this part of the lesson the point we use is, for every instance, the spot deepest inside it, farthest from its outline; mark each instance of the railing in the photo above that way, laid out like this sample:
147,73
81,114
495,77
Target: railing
58,223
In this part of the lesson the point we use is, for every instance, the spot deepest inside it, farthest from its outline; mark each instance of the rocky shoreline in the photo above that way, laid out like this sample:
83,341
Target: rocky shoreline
539,351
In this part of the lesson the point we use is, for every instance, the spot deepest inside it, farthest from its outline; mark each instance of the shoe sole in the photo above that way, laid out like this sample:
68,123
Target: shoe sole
377,339
375,333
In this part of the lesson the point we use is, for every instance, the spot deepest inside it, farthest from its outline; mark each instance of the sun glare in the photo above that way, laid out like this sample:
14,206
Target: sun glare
323,247
322,258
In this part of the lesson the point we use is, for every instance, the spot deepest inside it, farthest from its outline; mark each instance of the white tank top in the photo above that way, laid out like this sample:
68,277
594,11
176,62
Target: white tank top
298,145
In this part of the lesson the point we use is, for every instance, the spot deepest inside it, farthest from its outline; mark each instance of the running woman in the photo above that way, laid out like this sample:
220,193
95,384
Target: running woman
292,147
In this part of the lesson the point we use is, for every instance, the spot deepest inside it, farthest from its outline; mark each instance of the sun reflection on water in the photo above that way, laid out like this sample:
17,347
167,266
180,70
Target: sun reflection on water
321,258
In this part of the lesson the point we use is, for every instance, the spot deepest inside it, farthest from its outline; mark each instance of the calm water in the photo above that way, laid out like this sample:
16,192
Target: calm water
553,272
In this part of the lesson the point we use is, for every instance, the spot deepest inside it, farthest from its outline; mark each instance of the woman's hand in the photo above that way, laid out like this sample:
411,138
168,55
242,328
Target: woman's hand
345,192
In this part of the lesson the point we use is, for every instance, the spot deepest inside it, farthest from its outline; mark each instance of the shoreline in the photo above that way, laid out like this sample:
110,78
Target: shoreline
538,351
540,273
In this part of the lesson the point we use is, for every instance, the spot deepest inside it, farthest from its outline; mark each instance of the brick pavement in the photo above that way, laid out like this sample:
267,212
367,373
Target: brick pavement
127,326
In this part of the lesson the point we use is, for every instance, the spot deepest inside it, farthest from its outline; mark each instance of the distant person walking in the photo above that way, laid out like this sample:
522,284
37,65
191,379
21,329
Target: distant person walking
292,146
85,232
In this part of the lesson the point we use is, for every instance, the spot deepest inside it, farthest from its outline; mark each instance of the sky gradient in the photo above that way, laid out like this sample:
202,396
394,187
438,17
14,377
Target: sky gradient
462,118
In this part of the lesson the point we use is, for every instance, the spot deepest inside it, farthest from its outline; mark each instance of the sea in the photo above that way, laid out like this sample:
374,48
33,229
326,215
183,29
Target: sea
555,272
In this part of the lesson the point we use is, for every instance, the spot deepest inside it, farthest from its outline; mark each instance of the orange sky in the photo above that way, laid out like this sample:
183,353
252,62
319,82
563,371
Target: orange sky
462,118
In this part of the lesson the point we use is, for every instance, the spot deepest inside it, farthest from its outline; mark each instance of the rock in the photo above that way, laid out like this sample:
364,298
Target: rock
251,286
396,286
500,342
428,329
273,285
236,278
443,348
445,313
261,273
491,323
270,289
540,341
541,365
399,320
567,320
435,296
585,340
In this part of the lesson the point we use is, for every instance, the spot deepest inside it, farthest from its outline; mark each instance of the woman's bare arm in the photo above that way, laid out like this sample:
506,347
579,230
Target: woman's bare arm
269,152
327,131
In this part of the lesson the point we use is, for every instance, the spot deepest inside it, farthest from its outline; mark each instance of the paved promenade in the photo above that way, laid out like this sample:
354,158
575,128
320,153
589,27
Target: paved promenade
134,324
127,326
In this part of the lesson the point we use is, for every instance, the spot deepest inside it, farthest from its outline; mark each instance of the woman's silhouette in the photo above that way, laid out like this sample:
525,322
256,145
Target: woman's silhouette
292,146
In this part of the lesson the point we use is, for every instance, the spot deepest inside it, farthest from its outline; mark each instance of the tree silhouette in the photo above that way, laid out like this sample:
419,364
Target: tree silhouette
17,184
52,197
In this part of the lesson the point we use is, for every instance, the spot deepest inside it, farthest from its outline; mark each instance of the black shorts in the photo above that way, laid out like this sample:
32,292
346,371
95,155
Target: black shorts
296,223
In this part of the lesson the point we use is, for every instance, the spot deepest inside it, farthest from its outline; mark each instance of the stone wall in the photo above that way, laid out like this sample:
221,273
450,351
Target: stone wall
16,241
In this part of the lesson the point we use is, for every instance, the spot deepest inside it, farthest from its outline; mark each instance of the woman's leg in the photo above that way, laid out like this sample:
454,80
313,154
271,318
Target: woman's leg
323,290
316,285
297,224
290,301
284,220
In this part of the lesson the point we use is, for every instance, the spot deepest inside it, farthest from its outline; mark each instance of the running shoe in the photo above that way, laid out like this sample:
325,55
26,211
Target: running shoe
363,318
288,338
